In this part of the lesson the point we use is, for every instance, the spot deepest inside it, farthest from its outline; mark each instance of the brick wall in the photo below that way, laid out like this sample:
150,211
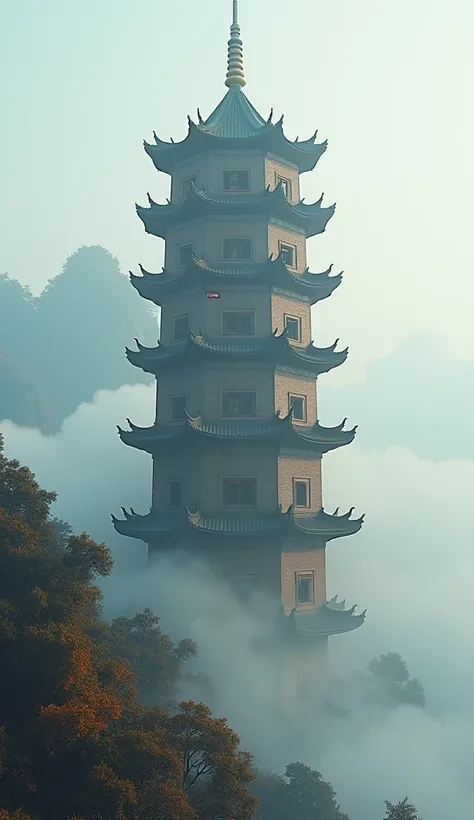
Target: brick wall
285,384
278,234
282,305
274,169
243,462
172,466
206,314
305,468
295,562
207,236
218,378
208,172
178,383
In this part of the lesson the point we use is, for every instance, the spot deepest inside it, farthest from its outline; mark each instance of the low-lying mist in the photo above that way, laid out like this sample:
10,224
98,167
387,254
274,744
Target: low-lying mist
411,566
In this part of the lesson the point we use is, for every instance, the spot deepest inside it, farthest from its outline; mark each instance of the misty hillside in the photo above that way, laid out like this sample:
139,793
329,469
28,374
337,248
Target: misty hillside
57,350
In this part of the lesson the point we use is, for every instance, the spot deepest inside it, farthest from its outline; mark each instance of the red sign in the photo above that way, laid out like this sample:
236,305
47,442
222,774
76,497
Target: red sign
213,296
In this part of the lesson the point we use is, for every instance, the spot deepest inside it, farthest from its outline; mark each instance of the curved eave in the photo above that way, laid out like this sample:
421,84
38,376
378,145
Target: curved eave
280,430
272,348
325,439
311,219
159,287
328,527
166,156
326,621
156,525
314,359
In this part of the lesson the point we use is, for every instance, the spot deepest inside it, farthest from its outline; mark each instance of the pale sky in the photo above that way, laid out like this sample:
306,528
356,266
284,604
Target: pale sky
389,84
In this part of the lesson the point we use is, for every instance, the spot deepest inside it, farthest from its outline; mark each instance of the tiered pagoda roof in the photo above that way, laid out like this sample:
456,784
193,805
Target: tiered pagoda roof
235,125
273,205
274,273
158,525
274,348
323,621
280,431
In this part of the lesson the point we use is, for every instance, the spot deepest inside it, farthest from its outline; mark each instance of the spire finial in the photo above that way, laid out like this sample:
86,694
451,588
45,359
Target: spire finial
235,61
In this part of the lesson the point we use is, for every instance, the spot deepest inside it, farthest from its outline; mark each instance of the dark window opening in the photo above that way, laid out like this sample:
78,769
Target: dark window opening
177,408
238,404
298,403
286,186
301,493
240,492
305,588
288,253
236,180
185,253
236,249
293,328
180,328
175,494
237,323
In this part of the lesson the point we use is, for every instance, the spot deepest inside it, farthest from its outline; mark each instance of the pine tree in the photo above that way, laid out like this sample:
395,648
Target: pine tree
401,811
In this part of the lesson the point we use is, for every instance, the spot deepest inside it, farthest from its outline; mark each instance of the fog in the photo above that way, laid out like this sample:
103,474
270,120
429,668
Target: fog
411,566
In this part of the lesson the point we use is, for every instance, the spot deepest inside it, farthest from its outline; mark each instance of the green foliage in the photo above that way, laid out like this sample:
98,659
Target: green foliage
391,673
301,793
401,811
152,655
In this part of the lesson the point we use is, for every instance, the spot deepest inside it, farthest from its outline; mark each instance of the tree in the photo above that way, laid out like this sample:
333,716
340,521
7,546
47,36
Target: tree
215,774
301,793
401,811
22,399
74,740
391,673
155,660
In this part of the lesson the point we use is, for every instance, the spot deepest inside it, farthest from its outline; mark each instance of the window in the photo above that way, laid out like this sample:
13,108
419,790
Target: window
298,403
288,253
305,588
185,253
187,183
239,492
174,494
293,328
238,404
177,408
285,184
180,328
236,180
236,249
237,323
301,493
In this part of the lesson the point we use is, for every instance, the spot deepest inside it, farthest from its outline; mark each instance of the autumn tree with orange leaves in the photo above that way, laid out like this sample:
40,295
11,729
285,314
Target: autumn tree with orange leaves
75,742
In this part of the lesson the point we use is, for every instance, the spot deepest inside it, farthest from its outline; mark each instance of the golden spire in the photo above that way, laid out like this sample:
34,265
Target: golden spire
235,62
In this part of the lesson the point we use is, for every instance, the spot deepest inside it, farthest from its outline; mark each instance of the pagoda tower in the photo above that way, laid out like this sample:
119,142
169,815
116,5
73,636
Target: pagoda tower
237,446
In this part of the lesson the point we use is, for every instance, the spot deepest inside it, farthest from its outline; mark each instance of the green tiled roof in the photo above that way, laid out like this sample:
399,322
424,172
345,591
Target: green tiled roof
234,118
312,219
156,524
234,524
235,125
274,348
274,273
320,439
